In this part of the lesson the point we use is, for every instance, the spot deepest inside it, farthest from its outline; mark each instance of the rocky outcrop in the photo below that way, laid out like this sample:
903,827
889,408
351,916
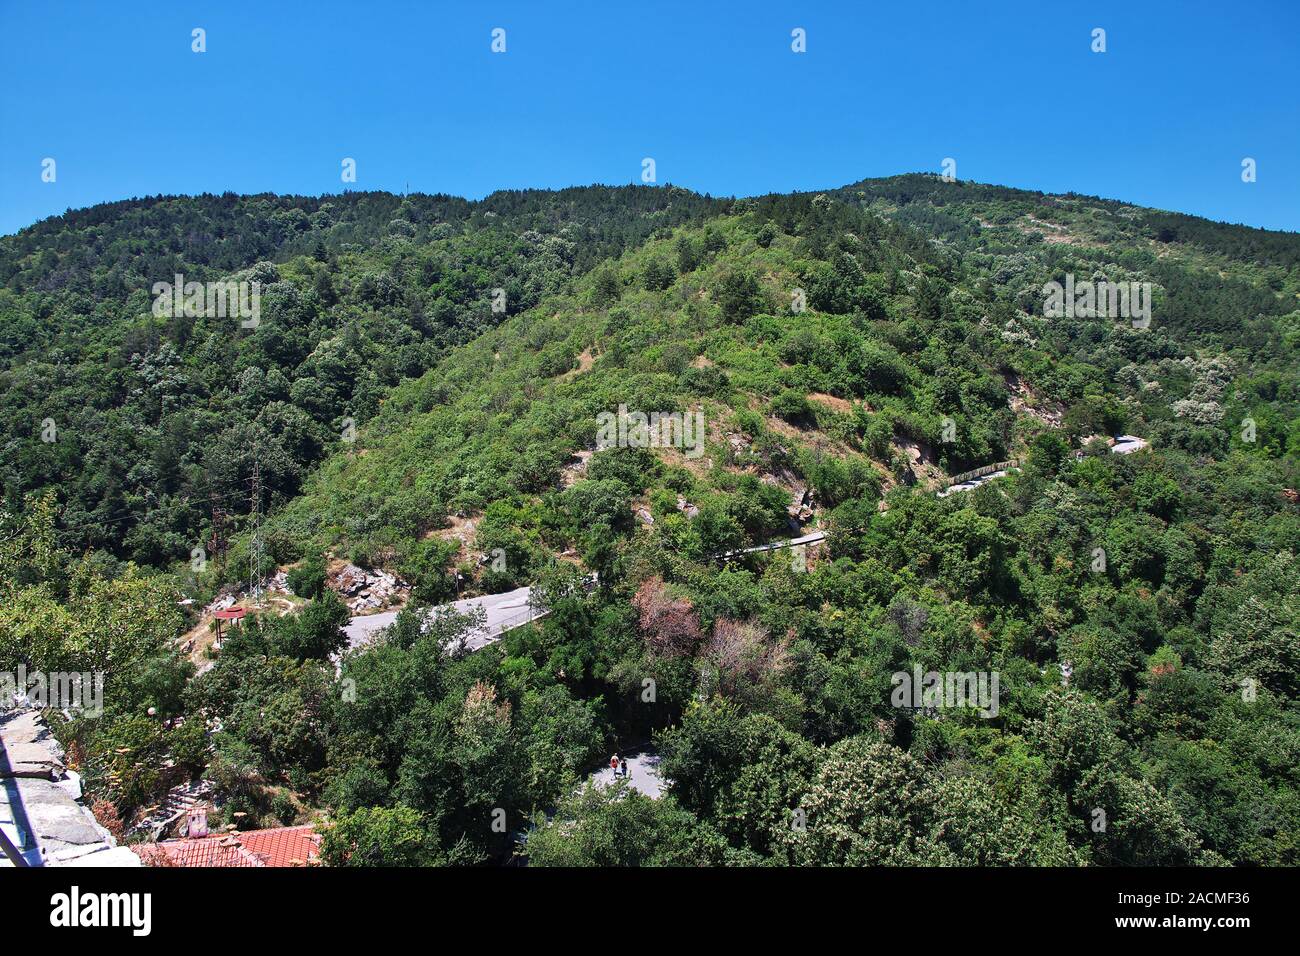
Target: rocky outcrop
801,508
365,590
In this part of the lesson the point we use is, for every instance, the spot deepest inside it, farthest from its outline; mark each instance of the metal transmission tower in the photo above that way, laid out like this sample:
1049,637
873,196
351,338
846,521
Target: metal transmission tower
256,581
217,544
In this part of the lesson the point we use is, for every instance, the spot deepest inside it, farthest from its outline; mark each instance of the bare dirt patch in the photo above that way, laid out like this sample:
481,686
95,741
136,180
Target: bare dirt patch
459,530
1025,401
921,459
810,438
674,457
275,602
1051,232
195,642
575,469
585,360
834,403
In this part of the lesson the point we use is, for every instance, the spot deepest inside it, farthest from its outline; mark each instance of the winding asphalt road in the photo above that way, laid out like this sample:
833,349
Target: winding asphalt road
511,609
503,612
772,546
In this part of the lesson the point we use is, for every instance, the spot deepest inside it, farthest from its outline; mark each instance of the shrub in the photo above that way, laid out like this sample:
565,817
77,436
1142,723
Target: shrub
307,580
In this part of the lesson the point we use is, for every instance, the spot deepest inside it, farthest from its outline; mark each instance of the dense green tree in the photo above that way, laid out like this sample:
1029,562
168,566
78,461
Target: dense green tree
611,827
378,836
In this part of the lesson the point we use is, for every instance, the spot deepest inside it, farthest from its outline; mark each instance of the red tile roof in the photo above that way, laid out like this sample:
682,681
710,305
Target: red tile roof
281,846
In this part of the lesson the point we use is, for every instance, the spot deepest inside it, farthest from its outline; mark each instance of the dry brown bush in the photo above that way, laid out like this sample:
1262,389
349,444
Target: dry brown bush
745,655
668,624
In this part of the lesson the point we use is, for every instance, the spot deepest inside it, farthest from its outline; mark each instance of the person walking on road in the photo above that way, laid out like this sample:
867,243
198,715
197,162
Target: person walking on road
623,764
613,764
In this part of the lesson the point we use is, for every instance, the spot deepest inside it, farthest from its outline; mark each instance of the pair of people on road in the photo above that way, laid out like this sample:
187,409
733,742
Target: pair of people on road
618,765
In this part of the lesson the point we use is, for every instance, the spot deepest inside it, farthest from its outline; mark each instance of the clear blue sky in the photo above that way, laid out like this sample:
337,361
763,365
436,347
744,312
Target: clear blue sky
711,91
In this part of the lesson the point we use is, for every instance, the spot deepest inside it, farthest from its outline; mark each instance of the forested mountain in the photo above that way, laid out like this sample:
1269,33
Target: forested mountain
425,392
359,292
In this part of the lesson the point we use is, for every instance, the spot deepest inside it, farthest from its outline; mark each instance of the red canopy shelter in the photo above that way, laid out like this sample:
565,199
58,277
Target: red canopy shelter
235,613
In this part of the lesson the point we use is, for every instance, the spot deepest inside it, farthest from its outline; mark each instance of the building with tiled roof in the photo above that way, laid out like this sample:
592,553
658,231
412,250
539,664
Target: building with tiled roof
280,846
283,846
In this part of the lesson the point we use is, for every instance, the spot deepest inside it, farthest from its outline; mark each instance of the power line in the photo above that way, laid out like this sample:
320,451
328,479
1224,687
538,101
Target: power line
132,515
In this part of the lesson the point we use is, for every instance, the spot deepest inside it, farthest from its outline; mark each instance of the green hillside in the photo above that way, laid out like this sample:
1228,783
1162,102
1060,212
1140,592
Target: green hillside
845,354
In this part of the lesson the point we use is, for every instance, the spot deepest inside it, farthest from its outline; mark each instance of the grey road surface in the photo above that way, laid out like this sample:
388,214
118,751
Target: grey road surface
772,546
1124,445
503,613
642,773
1127,444
971,483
